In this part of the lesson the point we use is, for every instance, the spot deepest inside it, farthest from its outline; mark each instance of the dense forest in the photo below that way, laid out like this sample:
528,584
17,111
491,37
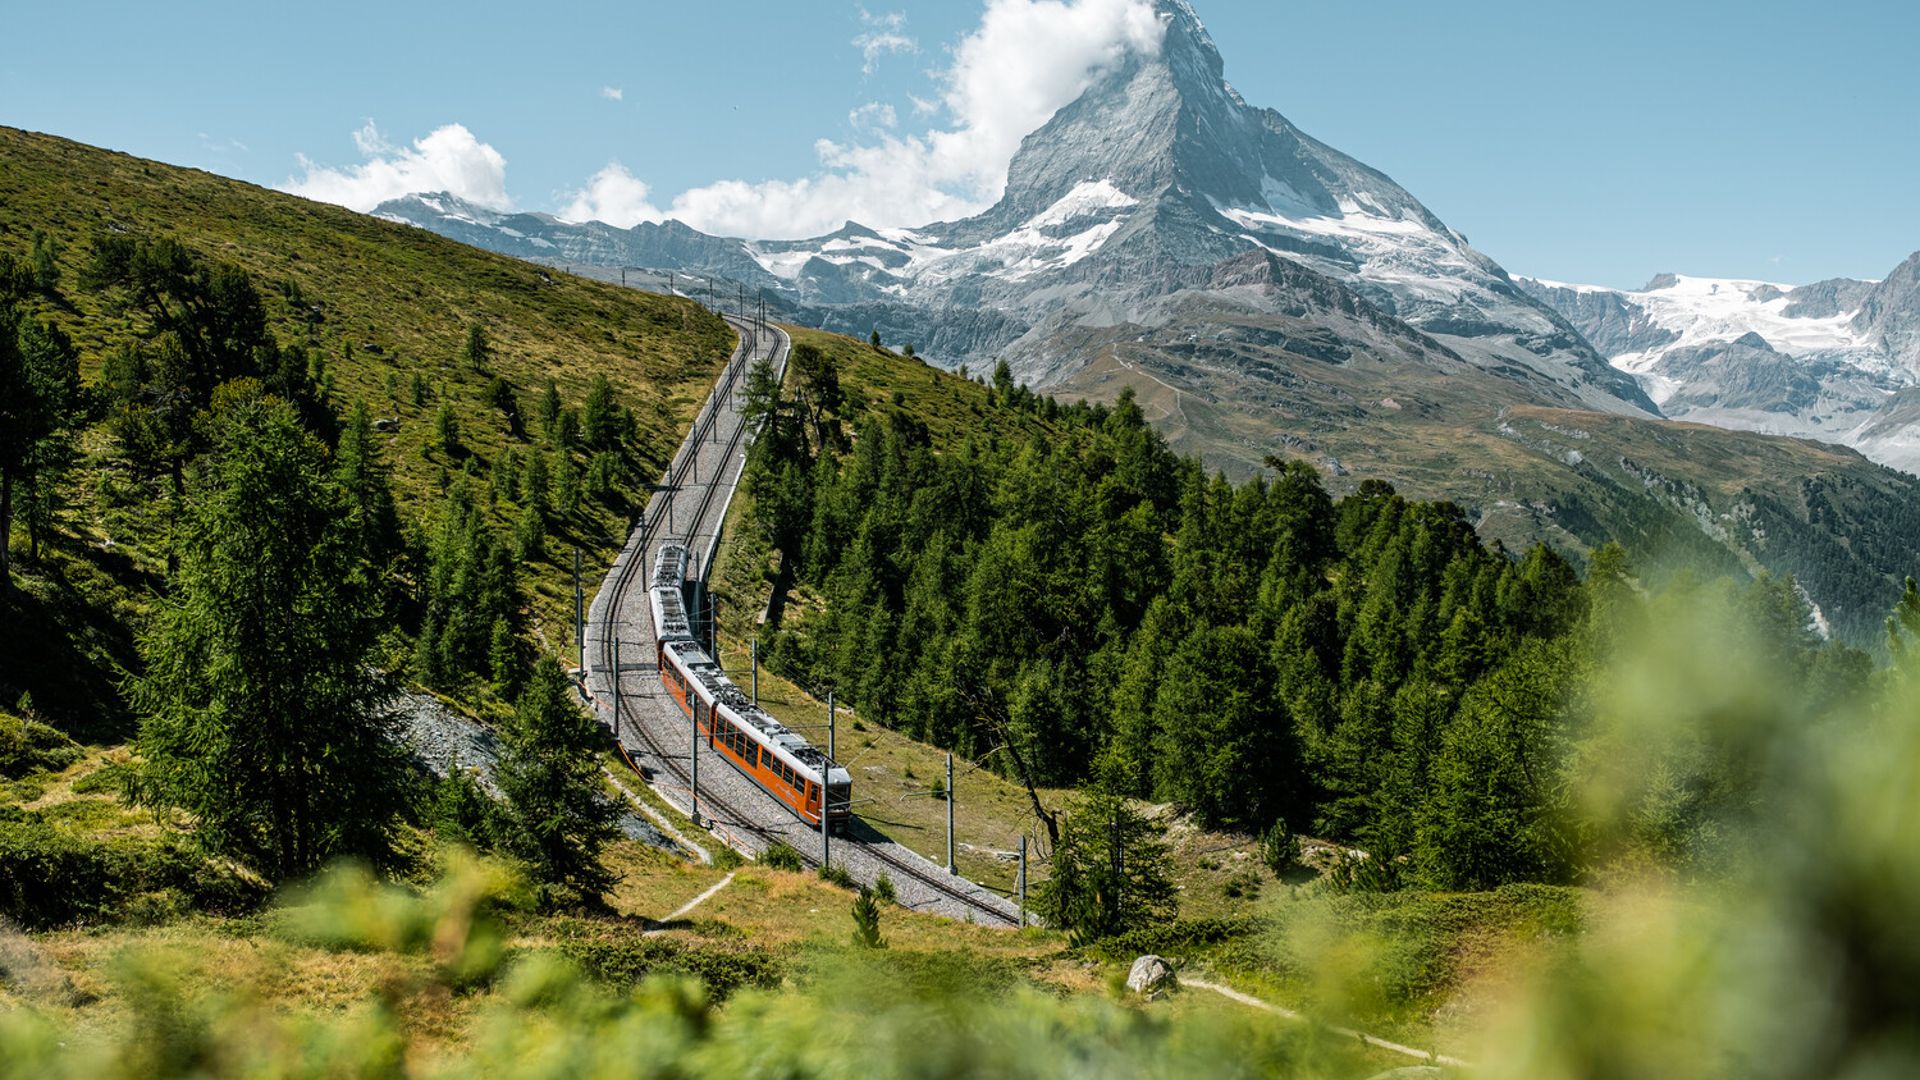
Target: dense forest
1071,603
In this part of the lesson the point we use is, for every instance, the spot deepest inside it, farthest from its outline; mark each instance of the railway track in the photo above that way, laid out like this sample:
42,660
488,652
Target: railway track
720,425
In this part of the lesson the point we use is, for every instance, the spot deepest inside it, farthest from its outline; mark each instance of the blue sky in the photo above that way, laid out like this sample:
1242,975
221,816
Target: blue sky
1587,142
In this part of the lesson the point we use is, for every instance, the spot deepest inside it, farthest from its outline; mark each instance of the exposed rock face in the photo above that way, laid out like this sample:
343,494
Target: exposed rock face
1611,322
1149,975
1827,299
1890,315
1158,170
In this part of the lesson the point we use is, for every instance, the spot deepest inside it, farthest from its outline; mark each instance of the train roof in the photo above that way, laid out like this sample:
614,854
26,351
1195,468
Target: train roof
716,688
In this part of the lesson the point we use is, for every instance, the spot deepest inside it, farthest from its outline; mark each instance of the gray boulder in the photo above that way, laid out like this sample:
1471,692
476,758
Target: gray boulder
1149,975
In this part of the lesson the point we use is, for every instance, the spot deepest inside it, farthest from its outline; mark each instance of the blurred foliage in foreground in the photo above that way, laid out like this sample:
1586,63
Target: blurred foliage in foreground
1788,953
850,1012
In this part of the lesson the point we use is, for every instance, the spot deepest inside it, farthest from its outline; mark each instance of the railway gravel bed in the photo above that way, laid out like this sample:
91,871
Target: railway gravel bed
443,741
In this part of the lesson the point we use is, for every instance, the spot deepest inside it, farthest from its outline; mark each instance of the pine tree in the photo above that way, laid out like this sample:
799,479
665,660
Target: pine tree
46,267
446,431
500,395
1223,749
470,586
866,921
600,417
1903,626
566,485
364,478
1111,872
530,535
558,817
549,408
39,407
477,352
262,717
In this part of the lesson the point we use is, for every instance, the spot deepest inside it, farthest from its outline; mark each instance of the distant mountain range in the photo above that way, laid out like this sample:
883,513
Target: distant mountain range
1262,294
1837,360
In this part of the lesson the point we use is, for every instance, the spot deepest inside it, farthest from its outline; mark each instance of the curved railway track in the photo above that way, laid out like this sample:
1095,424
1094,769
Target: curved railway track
950,893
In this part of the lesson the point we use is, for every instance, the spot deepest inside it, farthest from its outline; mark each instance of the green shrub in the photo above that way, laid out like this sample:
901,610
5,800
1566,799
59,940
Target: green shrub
837,875
51,877
29,746
1174,939
1244,884
883,889
781,855
623,960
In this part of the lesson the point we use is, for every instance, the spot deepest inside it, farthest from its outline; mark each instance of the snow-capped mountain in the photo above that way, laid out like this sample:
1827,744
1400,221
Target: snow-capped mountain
1158,172
1837,360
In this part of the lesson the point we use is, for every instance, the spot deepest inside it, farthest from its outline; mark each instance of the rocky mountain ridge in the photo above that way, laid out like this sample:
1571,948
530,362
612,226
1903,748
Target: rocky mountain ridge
1833,360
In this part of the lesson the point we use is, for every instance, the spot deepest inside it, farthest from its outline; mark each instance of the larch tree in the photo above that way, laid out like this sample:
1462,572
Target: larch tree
39,405
262,717
558,818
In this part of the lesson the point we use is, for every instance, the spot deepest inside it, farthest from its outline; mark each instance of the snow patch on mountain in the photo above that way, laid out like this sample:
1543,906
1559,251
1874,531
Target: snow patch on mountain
1704,310
1756,356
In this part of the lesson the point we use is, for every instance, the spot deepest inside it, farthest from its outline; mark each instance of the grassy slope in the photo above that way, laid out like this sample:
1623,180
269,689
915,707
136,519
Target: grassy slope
394,302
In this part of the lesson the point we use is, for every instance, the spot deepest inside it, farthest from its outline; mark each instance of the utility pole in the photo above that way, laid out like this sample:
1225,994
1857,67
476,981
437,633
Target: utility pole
579,614
693,750
616,683
1022,884
951,868
826,782
756,670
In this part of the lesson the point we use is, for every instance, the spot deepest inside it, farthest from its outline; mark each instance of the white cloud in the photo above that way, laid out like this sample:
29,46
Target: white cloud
613,93
873,116
615,196
448,159
884,33
1025,60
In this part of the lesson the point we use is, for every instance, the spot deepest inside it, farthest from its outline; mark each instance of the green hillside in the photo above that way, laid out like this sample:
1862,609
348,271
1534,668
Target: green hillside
384,312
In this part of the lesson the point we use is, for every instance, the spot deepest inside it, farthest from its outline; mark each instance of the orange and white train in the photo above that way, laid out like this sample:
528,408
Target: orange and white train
764,750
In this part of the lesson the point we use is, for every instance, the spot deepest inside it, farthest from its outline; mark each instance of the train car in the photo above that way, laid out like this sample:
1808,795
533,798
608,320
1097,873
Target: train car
761,748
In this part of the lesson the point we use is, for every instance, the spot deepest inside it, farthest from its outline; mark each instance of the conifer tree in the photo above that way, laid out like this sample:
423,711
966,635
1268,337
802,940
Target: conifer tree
478,352
600,416
549,407
365,479
558,818
39,406
866,920
261,714
1111,872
